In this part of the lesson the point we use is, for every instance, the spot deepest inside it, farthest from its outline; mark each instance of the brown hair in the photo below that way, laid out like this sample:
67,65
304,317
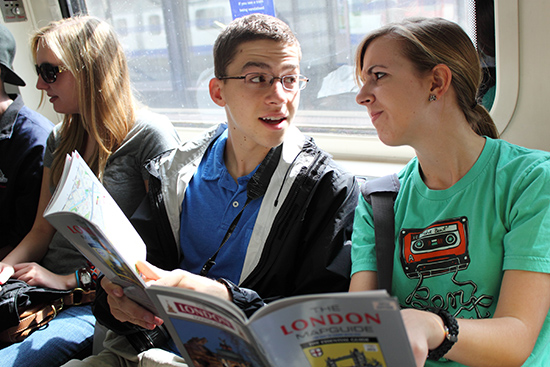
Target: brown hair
90,49
249,28
428,42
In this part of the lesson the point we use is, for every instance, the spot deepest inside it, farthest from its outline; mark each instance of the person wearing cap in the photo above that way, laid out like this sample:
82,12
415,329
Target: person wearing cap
23,135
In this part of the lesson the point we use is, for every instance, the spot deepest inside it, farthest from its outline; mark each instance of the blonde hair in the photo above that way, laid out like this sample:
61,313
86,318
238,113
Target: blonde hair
428,42
90,49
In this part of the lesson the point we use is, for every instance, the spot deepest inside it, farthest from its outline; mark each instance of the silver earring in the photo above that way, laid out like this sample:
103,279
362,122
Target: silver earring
432,98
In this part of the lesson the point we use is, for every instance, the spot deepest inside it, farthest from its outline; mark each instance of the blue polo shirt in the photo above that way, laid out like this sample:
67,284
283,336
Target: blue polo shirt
212,201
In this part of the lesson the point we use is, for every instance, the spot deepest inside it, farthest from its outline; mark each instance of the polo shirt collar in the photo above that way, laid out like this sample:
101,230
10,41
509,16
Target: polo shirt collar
214,166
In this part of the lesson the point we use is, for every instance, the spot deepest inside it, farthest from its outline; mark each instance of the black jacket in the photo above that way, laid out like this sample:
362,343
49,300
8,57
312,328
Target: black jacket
310,207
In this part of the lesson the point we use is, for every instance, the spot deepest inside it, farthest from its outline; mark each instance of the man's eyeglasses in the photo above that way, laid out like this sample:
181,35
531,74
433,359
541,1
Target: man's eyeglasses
291,83
48,72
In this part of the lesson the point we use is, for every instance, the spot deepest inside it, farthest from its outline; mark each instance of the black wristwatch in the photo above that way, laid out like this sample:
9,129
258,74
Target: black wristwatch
451,334
84,278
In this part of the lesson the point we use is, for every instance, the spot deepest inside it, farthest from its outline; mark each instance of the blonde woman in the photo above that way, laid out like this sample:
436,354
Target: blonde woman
83,72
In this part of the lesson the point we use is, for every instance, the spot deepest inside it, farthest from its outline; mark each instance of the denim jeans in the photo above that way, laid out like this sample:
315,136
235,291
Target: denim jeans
69,335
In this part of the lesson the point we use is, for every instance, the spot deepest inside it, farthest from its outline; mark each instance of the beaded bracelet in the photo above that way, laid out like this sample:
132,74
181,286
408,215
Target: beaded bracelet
451,334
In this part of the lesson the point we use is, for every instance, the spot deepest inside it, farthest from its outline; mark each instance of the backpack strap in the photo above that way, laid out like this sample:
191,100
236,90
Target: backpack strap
381,193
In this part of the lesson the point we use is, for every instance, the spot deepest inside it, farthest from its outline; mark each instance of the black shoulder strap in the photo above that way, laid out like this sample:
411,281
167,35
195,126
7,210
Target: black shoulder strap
381,193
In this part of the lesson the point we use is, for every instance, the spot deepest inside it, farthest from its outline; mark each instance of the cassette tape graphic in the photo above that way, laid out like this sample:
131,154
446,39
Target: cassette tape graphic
438,249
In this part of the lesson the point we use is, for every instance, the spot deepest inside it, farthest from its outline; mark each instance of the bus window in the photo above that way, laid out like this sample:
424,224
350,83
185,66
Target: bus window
169,48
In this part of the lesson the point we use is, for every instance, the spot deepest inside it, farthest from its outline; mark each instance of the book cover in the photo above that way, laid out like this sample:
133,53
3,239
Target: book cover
323,330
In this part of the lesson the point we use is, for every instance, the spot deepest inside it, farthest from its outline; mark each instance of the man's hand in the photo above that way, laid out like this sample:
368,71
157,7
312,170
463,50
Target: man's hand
125,310
182,279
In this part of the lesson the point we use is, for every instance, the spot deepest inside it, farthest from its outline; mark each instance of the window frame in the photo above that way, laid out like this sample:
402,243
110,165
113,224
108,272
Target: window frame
507,48
368,148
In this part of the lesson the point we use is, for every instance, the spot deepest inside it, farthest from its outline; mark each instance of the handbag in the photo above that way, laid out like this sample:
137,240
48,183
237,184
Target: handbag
25,308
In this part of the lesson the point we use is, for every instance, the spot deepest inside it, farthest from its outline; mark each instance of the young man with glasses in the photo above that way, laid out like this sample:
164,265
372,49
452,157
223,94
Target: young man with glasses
252,203
23,135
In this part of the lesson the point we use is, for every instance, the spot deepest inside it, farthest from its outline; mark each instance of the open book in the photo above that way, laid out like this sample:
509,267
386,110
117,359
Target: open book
323,330
82,210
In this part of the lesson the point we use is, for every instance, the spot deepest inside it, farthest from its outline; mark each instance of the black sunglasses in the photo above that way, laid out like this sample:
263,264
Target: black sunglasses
48,72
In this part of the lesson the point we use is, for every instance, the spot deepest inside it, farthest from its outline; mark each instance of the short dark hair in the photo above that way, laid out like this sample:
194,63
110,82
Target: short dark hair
249,28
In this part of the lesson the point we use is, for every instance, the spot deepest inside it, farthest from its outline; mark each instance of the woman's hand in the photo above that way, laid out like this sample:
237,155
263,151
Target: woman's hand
6,271
34,274
425,331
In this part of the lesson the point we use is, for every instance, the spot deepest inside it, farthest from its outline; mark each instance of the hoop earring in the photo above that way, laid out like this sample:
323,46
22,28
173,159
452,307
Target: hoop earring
432,98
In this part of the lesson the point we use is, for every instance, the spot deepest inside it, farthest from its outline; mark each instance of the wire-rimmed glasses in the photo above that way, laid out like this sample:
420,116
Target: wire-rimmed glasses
291,83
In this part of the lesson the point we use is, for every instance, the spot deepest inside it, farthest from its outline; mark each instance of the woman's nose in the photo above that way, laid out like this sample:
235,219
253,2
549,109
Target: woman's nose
41,84
364,96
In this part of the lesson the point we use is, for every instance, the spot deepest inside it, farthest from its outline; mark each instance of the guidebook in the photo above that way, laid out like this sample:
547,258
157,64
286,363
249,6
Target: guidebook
84,212
360,329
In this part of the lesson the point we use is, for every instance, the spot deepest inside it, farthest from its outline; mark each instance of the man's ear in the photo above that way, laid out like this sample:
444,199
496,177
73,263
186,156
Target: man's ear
441,80
216,91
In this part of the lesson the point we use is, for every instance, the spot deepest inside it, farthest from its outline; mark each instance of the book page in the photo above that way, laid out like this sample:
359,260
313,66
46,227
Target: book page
61,189
83,212
83,194
207,330
339,329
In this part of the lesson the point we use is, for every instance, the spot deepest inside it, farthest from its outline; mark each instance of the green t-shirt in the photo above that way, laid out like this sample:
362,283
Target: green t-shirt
453,245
